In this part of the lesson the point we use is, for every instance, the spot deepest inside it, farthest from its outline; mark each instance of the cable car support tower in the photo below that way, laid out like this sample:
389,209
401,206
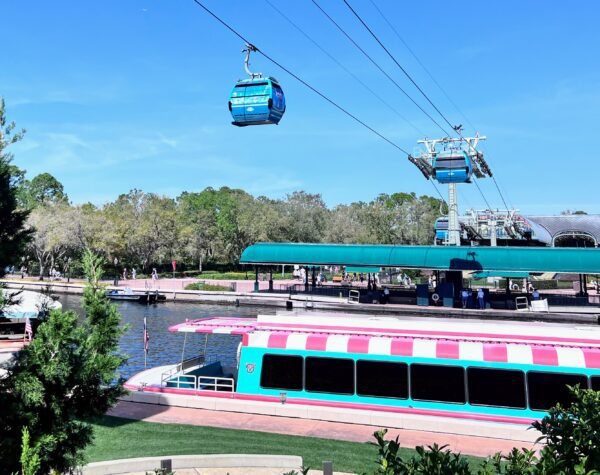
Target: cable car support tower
451,161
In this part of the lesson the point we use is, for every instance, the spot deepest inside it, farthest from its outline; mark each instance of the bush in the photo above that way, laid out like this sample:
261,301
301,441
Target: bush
208,287
572,447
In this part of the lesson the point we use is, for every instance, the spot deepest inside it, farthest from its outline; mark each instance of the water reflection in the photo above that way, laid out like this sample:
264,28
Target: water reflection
166,347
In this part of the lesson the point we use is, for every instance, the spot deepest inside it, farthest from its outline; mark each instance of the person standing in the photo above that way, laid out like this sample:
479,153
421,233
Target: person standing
154,276
465,297
133,273
536,294
124,273
481,298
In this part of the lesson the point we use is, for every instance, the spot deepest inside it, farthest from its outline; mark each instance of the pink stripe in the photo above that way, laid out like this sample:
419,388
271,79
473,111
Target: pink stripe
544,355
277,340
358,344
316,342
446,349
495,352
402,347
592,357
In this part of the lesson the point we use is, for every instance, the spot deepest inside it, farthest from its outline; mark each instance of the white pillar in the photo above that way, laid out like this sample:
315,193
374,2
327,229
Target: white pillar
453,226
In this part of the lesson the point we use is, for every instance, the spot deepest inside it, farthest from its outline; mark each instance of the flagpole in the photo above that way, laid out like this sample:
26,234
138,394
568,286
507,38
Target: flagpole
145,343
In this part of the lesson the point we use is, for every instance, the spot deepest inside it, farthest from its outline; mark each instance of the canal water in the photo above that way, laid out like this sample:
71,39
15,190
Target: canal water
166,347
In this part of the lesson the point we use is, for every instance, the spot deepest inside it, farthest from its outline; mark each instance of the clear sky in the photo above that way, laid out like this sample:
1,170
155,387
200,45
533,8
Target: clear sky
129,94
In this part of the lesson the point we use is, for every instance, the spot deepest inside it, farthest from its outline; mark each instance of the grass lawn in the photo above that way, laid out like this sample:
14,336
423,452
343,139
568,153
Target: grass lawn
117,438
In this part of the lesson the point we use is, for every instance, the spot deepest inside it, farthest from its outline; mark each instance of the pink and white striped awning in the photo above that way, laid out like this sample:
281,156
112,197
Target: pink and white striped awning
232,326
563,356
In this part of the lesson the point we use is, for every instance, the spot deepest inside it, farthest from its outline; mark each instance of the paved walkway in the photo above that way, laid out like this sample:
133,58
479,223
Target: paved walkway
471,445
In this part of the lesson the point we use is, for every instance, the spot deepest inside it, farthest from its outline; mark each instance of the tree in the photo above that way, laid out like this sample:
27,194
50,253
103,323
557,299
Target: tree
43,189
65,377
53,238
13,234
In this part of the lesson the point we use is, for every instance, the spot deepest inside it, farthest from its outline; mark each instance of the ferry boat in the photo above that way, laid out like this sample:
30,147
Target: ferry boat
129,295
506,372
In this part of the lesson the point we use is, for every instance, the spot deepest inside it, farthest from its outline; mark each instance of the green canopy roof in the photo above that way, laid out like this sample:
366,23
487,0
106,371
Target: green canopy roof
363,269
497,259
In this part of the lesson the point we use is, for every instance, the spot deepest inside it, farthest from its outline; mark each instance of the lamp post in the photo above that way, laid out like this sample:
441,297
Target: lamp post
69,270
116,262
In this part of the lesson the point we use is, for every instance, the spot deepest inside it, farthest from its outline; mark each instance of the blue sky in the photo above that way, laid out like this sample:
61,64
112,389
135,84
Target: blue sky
129,94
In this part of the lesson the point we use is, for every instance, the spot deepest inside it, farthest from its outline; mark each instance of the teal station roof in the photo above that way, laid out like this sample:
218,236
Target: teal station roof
363,270
497,259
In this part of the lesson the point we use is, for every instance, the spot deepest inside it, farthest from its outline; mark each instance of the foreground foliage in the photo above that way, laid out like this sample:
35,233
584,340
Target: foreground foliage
571,438
67,375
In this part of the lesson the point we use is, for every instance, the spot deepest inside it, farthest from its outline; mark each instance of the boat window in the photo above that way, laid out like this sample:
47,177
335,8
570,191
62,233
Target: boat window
437,383
547,389
382,378
596,383
451,162
252,84
281,372
496,387
330,375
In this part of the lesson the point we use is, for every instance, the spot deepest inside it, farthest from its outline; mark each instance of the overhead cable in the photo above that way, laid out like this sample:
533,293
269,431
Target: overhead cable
414,55
348,71
378,66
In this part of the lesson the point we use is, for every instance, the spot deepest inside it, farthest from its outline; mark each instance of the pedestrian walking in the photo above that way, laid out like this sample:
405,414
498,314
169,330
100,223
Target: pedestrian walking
124,273
481,298
154,276
133,273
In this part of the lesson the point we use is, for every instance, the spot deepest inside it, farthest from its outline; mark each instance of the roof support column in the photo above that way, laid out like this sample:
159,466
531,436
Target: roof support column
305,279
256,285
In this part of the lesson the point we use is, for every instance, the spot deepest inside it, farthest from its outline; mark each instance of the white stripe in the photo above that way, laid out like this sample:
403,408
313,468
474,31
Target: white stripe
259,339
424,348
380,346
225,330
572,357
519,354
470,350
296,341
337,343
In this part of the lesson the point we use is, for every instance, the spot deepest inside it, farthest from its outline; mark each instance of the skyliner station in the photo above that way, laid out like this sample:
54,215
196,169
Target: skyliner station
451,266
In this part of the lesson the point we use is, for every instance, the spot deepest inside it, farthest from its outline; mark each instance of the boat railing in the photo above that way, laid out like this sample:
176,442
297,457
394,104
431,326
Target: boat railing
165,376
215,383
187,381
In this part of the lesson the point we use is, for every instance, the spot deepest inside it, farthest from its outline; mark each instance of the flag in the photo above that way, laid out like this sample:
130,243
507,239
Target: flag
28,330
146,336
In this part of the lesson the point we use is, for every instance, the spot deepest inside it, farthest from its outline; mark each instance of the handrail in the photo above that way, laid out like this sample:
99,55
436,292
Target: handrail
194,361
188,379
214,383
167,375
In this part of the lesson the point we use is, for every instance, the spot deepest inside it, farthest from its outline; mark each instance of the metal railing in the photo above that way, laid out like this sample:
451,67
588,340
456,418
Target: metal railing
187,381
215,383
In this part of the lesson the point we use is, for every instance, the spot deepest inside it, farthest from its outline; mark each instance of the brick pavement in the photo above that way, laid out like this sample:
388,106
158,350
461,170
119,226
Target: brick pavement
471,445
